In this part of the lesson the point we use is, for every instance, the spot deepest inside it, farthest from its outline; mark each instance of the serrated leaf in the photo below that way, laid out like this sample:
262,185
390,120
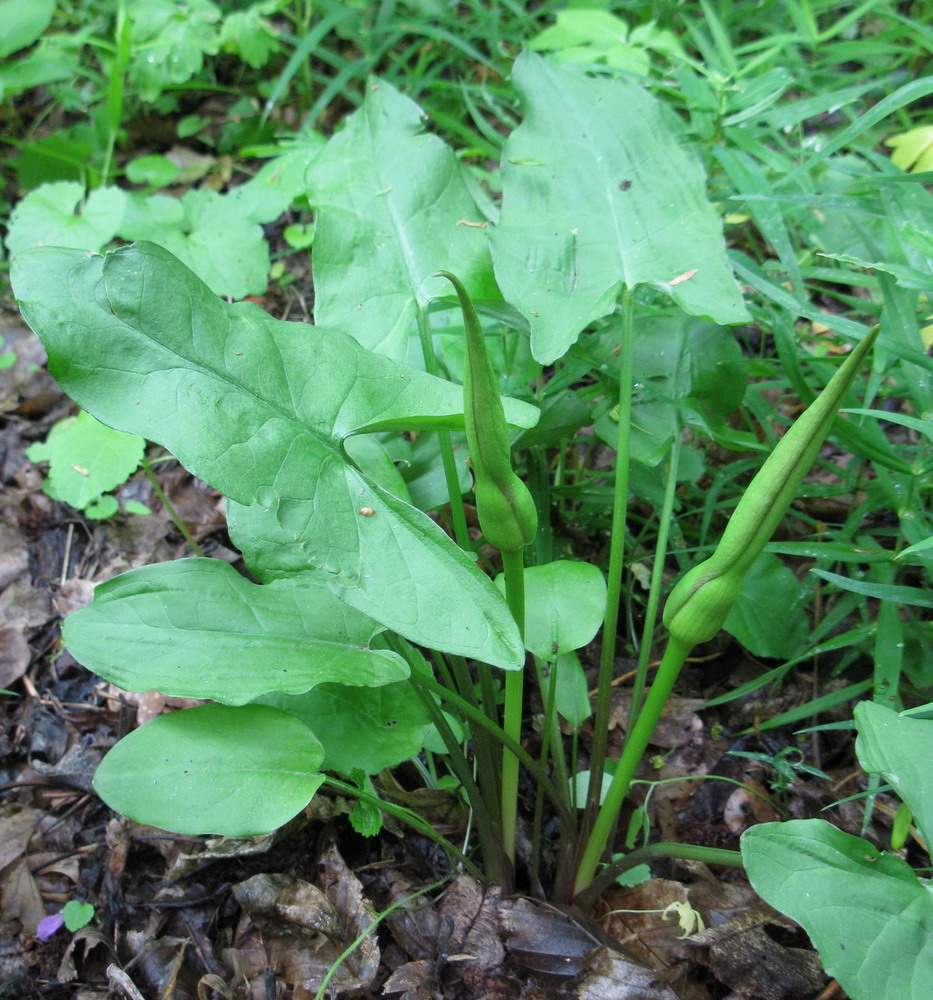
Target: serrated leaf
235,772
208,232
170,41
913,150
86,458
599,192
53,215
259,408
392,209
195,628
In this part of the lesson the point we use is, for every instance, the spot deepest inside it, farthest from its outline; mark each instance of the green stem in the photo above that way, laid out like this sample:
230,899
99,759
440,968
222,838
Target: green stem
616,553
322,992
457,514
652,852
524,758
497,868
485,748
514,567
657,579
635,746
172,513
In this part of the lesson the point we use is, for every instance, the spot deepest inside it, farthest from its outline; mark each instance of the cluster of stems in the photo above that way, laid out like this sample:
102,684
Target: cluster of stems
694,612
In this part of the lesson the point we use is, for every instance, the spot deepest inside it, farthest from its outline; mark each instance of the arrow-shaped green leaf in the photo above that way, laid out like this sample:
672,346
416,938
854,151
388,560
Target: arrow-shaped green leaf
392,208
258,408
599,192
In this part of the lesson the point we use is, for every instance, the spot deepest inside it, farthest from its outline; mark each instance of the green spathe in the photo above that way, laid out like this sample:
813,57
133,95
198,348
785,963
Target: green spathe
701,601
504,505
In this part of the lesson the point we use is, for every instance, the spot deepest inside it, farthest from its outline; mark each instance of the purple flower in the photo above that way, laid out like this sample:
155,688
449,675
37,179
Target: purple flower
49,925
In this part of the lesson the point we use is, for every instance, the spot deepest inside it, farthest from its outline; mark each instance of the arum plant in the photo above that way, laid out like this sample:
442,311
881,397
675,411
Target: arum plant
507,516
700,602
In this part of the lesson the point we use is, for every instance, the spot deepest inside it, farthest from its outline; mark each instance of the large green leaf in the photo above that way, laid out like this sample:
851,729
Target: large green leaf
900,749
214,769
196,628
599,192
392,208
866,911
258,408
684,367
359,727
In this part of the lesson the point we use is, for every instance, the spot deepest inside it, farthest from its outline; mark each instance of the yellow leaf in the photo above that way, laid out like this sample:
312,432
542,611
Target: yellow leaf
913,150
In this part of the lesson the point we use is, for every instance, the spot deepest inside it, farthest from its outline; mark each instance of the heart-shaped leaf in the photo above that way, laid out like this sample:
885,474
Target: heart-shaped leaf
392,209
258,408
599,192
50,216
86,458
207,632
237,772
866,911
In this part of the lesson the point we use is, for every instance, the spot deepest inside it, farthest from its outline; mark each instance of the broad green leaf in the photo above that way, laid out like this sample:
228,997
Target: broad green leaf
564,606
23,23
600,192
77,914
366,728
240,640
86,458
236,772
419,462
392,209
767,617
156,171
259,408
866,911
899,748
55,215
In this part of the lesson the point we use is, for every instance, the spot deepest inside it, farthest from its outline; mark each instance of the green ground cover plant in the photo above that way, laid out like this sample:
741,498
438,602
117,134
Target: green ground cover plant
591,288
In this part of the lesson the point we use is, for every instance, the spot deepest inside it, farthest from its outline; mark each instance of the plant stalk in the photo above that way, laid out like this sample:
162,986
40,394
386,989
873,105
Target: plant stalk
654,588
461,534
635,746
514,567
616,566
